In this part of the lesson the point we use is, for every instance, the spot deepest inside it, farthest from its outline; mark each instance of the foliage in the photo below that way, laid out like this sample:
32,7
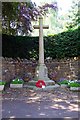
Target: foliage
74,84
17,81
74,16
22,15
63,82
9,15
66,44
2,83
26,14
18,46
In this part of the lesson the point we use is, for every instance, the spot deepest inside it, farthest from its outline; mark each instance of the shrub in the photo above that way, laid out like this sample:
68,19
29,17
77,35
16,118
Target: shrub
66,44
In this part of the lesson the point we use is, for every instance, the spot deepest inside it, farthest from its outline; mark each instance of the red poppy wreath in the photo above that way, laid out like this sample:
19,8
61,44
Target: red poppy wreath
40,84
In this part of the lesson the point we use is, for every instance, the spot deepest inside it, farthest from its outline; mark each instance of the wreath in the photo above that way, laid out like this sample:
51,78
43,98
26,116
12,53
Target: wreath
40,84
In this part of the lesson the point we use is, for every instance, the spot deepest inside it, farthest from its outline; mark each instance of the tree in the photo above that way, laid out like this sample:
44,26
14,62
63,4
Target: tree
9,16
73,17
28,14
22,15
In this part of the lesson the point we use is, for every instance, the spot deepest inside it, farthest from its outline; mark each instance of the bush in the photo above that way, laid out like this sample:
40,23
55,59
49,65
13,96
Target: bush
66,44
74,84
63,82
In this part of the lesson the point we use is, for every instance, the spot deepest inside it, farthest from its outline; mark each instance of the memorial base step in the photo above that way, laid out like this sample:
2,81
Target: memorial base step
33,83
50,87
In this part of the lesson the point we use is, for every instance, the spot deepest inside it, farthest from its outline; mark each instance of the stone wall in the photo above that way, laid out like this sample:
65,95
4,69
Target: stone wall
25,69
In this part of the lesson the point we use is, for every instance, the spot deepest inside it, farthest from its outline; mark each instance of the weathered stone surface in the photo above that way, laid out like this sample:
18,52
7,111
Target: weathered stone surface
47,88
16,85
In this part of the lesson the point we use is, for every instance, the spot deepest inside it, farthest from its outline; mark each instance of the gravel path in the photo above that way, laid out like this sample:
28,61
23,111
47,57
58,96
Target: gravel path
26,103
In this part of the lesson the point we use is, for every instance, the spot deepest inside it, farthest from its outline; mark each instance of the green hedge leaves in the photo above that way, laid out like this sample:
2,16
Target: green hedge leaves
66,44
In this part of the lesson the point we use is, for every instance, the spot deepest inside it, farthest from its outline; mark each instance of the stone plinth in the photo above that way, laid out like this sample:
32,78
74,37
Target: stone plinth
1,87
41,73
33,83
16,85
50,86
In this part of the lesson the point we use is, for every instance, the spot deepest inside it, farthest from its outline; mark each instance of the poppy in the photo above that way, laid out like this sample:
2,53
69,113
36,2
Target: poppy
40,84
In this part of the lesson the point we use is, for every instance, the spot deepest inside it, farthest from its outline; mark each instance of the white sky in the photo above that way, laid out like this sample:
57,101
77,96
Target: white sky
63,4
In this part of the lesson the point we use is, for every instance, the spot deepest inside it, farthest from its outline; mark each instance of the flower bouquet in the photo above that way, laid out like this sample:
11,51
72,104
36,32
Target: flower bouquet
16,83
2,84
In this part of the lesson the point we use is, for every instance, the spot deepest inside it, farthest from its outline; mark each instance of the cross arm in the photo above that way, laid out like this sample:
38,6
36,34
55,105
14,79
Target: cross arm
37,27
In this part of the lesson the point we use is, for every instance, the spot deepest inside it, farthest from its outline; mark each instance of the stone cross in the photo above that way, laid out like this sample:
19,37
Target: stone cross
41,72
41,42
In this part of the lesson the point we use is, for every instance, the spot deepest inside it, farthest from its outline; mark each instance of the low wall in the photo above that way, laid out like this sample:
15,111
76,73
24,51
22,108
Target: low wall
25,69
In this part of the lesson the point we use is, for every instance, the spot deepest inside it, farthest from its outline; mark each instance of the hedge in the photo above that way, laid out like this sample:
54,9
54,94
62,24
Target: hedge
66,44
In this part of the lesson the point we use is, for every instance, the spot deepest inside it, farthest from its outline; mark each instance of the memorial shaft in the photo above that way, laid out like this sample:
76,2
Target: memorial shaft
41,42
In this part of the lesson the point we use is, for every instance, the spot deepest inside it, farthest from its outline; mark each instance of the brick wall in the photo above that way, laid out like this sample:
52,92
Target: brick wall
25,69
